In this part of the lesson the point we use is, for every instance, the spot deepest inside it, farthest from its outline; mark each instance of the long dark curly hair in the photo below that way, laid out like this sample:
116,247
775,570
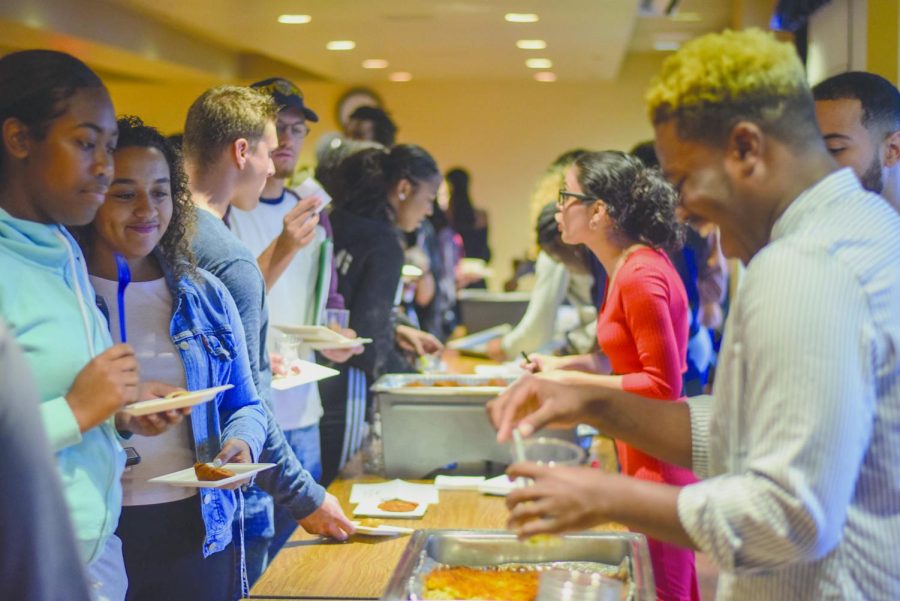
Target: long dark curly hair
638,200
175,244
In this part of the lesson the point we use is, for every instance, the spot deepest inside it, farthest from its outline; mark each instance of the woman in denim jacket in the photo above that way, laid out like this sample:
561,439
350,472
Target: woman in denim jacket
185,329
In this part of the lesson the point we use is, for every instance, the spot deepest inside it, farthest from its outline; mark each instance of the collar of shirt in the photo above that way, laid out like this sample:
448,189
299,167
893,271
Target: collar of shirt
827,189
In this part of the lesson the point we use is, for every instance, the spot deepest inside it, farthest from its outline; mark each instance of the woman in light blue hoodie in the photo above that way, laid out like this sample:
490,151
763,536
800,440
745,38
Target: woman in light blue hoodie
58,135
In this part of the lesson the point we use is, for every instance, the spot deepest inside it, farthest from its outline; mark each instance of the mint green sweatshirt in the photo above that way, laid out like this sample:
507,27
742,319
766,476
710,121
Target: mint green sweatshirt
48,302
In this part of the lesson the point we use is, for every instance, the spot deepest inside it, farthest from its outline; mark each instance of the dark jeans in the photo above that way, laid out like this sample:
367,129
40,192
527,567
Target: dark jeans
163,549
344,400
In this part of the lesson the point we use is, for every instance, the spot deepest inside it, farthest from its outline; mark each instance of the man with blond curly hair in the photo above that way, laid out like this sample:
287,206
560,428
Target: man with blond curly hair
798,448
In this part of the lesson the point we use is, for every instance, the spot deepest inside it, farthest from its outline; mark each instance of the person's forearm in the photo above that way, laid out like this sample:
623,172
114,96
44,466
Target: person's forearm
274,261
425,290
659,428
589,363
647,507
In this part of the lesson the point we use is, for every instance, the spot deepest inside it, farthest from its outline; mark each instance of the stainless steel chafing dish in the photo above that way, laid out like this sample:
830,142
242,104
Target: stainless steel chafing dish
427,428
585,551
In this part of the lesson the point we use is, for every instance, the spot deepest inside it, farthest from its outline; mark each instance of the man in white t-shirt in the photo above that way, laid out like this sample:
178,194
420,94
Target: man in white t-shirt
283,232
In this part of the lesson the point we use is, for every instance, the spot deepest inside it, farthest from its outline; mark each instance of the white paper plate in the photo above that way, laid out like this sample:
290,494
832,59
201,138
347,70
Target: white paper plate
370,508
188,477
311,333
339,345
382,530
474,268
165,404
309,372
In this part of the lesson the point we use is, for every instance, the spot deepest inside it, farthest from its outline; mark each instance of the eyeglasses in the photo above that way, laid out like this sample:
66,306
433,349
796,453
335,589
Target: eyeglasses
297,130
565,195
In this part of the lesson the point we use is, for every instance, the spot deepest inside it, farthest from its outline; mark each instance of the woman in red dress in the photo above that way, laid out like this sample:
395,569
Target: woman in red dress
625,214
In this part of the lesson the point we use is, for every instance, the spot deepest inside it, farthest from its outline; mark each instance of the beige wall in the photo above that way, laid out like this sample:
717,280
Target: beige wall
505,133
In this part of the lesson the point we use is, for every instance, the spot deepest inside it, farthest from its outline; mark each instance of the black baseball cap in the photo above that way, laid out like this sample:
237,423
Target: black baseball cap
286,95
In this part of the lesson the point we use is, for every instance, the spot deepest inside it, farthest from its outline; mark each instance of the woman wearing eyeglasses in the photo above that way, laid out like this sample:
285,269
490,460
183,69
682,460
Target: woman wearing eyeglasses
625,214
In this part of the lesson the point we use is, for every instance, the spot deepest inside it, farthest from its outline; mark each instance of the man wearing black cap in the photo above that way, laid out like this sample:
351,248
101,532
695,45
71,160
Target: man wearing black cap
292,250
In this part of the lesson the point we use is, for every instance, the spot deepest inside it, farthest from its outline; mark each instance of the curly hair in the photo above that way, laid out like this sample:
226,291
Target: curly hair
719,79
638,200
175,244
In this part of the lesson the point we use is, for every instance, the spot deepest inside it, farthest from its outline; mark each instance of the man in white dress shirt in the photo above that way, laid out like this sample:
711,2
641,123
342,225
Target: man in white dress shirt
798,449
859,115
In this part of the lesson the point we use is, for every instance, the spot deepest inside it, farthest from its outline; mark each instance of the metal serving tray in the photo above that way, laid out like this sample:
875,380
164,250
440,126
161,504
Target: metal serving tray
425,429
429,429
470,385
481,548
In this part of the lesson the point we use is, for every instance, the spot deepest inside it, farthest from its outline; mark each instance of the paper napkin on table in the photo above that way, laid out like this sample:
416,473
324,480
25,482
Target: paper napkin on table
458,482
426,494
500,486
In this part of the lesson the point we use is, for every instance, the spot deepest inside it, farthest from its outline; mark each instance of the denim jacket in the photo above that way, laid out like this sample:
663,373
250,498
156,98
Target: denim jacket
208,334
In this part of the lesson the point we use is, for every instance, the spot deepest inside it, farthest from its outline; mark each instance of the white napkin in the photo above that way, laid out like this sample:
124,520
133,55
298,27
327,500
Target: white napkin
426,494
500,486
458,482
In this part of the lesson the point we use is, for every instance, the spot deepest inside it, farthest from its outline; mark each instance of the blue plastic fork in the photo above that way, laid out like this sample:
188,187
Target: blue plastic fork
124,273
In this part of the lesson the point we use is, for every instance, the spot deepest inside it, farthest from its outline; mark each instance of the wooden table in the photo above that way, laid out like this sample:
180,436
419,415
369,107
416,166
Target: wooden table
311,567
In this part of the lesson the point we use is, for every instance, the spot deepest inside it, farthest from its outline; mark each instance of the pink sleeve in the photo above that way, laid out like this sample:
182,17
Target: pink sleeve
645,300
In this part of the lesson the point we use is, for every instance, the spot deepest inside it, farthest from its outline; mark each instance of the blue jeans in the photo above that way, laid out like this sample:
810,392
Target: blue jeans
106,574
267,527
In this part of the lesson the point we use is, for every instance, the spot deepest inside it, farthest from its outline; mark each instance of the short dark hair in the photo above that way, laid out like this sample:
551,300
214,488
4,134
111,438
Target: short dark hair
646,152
460,207
364,179
34,85
222,115
384,128
638,200
879,98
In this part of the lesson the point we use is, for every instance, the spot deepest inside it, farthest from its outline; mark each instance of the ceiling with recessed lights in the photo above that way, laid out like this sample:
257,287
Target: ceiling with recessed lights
436,39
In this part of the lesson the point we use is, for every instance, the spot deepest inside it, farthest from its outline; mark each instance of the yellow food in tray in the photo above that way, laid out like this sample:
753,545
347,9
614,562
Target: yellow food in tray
477,583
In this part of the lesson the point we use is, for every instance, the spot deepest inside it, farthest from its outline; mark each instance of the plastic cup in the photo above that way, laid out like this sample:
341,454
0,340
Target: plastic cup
553,452
337,319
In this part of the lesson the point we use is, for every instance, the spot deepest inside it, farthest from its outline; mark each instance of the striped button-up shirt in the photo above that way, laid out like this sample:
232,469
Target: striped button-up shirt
799,447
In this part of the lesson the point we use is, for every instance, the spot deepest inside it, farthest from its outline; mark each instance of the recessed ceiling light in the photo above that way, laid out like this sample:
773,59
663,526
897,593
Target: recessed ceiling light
521,17
294,19
545,76
375,63
539,63
341,45
400,76
666,46
531,44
